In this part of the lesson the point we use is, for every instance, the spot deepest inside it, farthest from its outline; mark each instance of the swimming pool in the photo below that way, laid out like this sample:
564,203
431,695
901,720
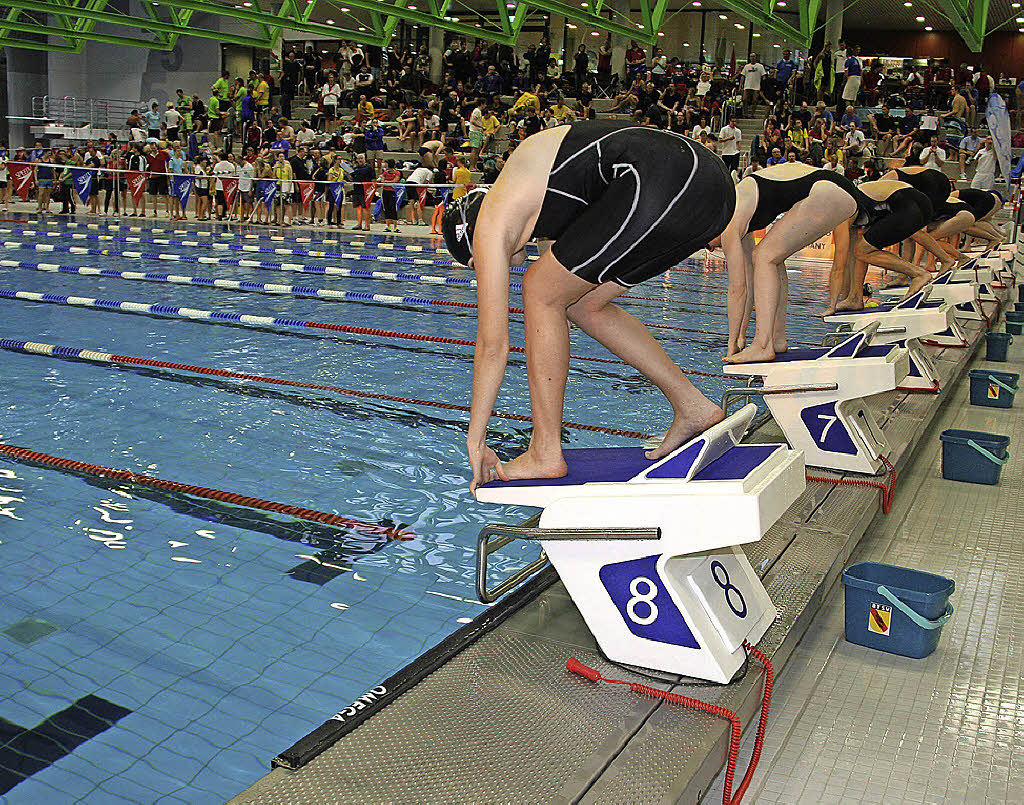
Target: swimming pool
163,648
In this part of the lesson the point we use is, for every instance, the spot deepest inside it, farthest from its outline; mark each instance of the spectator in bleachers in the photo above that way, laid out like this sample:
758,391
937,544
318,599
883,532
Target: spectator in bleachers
933,155
907,127
969,147
928,127
373,138
581,68
985,175
730,137
753,71
850,117
785,73
854,69
853,145
871,85
585,102
883,125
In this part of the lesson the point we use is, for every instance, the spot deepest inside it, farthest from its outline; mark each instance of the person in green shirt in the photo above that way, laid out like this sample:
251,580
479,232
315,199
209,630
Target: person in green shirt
222,85
184,106
214,111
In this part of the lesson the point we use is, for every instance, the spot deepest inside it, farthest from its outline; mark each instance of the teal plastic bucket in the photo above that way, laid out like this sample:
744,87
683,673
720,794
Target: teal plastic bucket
896,609
996,346
973,456
1014,327
993,389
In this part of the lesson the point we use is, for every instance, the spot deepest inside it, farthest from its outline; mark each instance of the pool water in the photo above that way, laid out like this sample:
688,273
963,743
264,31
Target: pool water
158,648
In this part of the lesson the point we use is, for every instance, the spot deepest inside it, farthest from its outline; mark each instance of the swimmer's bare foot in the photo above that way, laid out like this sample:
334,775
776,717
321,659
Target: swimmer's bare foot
916,284
850,304
686,427
752,354
831,309
532,465
780,345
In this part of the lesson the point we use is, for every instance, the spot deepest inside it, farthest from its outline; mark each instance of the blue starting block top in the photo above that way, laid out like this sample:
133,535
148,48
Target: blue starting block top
612,465
814,353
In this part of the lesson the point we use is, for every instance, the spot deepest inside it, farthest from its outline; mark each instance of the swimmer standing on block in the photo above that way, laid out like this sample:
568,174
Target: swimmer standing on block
622,203
812,203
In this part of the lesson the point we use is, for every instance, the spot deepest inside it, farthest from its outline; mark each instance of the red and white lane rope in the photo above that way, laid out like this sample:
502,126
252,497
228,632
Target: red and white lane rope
110,358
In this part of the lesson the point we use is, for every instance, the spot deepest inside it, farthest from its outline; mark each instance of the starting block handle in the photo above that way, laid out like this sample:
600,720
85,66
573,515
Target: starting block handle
504,534
764,391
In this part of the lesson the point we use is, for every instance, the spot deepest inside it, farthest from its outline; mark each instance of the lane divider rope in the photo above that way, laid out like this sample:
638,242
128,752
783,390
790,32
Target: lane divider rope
109,358
279,290
223,317
34,457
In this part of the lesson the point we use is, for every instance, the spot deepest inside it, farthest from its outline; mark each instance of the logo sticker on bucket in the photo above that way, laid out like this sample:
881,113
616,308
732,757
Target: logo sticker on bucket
879,619
993,391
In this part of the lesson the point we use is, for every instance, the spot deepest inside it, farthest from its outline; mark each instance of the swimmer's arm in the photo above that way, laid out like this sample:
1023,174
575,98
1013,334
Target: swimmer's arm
491,261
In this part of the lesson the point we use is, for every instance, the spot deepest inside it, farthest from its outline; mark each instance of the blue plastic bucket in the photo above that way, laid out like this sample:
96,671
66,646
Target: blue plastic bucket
993,389
973,456
1014,327
896,609
996,345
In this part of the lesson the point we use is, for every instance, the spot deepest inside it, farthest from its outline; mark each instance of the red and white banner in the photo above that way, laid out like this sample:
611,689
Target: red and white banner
230,187
137,185
306,190
21,176
369,192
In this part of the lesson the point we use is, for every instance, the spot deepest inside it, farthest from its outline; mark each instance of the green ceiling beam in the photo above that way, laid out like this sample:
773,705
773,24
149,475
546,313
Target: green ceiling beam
756,13
577,14
970,26
32,44
97,15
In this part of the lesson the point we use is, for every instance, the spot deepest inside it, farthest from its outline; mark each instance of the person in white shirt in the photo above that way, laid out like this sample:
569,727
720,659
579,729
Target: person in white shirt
927,127
932,156
753,71
704,84
246,173
172,118
331,94
985,176
701,129
839,56
853,144
729,139
421,176
305,135
476,133
221,169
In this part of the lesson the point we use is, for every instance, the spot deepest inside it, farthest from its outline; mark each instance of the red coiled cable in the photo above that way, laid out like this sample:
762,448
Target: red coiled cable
887,488
735,725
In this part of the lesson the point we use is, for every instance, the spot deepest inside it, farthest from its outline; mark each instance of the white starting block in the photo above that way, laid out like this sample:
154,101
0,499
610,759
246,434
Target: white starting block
817,398
963,295
646,548
933,322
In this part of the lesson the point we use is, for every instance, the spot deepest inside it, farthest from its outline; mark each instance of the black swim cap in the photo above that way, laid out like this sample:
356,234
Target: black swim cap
459,223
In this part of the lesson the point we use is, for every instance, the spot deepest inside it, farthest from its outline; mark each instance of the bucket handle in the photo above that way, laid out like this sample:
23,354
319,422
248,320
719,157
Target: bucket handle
987,454
1001,384
921,621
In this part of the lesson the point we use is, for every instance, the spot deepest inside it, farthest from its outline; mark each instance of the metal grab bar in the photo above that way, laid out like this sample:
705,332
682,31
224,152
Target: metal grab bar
763,391
504,534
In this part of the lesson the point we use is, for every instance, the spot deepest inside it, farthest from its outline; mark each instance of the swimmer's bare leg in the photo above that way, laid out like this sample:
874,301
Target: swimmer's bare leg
839,280
548,290
855,297
808,220
779,342
630,340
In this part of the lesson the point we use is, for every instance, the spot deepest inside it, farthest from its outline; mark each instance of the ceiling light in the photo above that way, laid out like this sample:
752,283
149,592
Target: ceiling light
455,19
639,25
908,4
572,27
585,5
722,17
1020,19
412,8
738,26
781,4
755,34
247,5
1014,5
329,22
696,3
776,46
661,33
361,28
927,27
919,19
594,33
345,10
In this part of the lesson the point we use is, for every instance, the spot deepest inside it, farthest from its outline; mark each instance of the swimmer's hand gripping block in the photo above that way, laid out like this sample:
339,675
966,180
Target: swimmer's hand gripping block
817,397
685,601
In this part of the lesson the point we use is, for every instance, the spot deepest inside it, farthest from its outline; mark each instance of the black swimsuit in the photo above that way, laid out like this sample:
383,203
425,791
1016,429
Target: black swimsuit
981,201
888,222
933,183
624,202
777,196
950,209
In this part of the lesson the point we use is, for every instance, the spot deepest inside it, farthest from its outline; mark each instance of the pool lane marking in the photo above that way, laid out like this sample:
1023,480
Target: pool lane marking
110,358
280,290
218,317
354,273
34,457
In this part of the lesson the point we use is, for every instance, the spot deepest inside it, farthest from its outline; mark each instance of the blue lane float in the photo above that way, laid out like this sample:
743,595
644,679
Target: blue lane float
896,609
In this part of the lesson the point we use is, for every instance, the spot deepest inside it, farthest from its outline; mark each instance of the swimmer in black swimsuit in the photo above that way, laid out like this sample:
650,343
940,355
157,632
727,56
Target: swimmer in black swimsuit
985,203
895,213
812,203
930,181
622,204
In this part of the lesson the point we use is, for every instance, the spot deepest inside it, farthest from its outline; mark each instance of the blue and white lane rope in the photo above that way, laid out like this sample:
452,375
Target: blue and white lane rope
223,317
270,265
358,241
237,285
50,247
